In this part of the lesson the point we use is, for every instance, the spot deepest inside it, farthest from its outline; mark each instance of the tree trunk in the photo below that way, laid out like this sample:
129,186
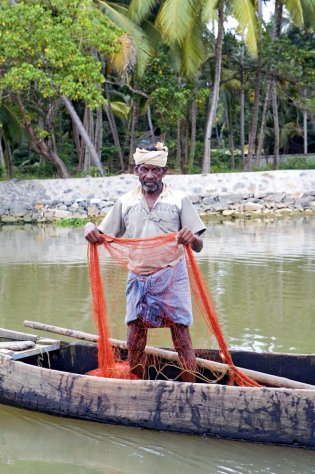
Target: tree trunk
44,147
3,170
276,125
255,112
276,34
271,95
262,131
149,116
88,124
256,105
230,132
193,135
305,134
78,145
242,108
98,134
84,135
305,138
206,163
185,144
113,129
133,140
9,159
178,145
84,163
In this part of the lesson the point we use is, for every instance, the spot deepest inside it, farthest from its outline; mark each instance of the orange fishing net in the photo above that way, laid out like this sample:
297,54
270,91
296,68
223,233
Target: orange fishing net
135,254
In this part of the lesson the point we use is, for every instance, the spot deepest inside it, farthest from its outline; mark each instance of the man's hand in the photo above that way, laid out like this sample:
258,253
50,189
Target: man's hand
91,234
186,237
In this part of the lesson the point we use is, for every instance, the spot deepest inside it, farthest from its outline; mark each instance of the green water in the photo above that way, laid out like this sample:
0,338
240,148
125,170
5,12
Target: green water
262,278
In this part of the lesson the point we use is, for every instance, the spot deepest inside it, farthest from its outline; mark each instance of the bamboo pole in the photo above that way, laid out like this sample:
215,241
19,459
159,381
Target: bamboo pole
17,335
260,377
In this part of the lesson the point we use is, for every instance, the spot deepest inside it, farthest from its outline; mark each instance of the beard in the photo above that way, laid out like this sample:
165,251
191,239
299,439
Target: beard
150,187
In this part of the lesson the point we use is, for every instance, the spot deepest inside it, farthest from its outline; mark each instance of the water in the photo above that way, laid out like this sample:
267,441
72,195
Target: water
261,274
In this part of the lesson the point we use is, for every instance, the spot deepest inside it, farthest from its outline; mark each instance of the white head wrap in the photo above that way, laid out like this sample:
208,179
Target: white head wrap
155,158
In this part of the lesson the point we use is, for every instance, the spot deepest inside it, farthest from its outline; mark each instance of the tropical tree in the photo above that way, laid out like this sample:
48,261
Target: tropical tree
296,10
245,14
48,54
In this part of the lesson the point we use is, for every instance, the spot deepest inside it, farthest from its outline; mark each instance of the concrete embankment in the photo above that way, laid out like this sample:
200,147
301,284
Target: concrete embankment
236,195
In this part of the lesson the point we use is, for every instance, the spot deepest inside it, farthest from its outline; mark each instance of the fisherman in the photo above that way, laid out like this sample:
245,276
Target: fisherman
154,208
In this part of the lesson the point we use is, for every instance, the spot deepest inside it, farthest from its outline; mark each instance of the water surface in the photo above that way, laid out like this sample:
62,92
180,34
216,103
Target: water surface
262,278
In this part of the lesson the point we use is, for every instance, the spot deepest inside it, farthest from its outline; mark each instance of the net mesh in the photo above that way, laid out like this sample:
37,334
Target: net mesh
141,256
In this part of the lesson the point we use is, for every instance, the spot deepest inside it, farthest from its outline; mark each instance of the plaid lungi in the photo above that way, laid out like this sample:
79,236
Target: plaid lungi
161,298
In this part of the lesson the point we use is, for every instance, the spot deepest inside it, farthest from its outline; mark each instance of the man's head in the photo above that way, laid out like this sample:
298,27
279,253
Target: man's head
151,166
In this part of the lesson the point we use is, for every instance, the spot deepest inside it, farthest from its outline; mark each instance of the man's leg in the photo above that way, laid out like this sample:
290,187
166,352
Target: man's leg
183,345
136,342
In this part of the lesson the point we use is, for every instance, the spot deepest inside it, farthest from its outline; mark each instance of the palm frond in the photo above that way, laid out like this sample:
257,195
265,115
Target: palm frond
209,10
295,10
193,51
288,130
140,9
175,20
308,7
125,59
10,124
118,15
120,109
244,13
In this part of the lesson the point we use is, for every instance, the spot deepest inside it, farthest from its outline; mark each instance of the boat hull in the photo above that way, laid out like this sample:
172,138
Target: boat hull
269,415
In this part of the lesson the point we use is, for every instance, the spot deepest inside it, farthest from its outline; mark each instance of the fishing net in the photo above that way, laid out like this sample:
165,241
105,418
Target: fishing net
168,294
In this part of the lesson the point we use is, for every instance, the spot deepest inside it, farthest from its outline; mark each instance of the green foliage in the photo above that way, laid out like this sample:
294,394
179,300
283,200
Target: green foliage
169,94
72,222
298,163
2,172
52,48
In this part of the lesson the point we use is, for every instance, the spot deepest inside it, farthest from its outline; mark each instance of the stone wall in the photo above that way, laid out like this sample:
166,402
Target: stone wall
234,194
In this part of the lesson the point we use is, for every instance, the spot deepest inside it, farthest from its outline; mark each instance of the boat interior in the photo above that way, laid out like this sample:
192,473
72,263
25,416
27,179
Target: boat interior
81,357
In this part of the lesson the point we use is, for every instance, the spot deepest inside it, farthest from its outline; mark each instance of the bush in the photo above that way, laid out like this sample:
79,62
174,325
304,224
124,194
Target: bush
298,163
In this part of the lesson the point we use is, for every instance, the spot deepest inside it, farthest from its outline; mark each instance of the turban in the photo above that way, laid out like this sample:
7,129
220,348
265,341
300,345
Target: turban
155,158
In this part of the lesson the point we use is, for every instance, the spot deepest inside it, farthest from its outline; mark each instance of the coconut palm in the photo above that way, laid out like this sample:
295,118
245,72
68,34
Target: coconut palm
182,24
297,9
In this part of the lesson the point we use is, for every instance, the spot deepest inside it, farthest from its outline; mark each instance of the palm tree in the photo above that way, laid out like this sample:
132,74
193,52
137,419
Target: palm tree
182,24
296,9
244,12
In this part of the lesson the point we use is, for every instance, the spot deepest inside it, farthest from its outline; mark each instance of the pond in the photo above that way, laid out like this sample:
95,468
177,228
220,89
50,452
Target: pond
262,277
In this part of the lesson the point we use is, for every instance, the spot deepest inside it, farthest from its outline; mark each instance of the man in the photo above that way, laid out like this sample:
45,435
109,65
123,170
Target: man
151,209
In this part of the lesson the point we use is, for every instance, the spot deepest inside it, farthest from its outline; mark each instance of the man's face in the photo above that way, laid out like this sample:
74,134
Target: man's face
150,177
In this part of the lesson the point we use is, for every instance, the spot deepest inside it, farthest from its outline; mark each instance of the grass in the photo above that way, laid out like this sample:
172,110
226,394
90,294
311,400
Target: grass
72,222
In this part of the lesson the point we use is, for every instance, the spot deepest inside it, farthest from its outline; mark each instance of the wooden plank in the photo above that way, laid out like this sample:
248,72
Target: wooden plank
17,345
36,350
260,377
17,335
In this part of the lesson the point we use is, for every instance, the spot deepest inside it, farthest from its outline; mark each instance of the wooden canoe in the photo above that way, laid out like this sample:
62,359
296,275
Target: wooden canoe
52,379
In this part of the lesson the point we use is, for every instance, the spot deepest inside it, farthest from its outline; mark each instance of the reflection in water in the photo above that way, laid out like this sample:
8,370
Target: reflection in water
261,274
43,443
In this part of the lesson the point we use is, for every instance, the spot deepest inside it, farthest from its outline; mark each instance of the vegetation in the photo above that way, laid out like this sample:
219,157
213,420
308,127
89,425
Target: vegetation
82,80
72,222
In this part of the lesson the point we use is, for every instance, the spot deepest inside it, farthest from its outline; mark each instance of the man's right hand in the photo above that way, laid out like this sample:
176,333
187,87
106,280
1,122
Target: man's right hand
92,234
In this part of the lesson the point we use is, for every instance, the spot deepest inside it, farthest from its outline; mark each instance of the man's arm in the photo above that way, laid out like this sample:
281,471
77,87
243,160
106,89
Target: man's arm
186,237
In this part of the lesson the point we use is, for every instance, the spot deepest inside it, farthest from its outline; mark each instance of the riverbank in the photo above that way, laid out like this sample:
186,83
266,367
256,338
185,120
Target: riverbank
286,192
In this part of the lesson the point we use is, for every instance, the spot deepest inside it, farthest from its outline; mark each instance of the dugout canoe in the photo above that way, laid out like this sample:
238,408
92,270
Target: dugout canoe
52,380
